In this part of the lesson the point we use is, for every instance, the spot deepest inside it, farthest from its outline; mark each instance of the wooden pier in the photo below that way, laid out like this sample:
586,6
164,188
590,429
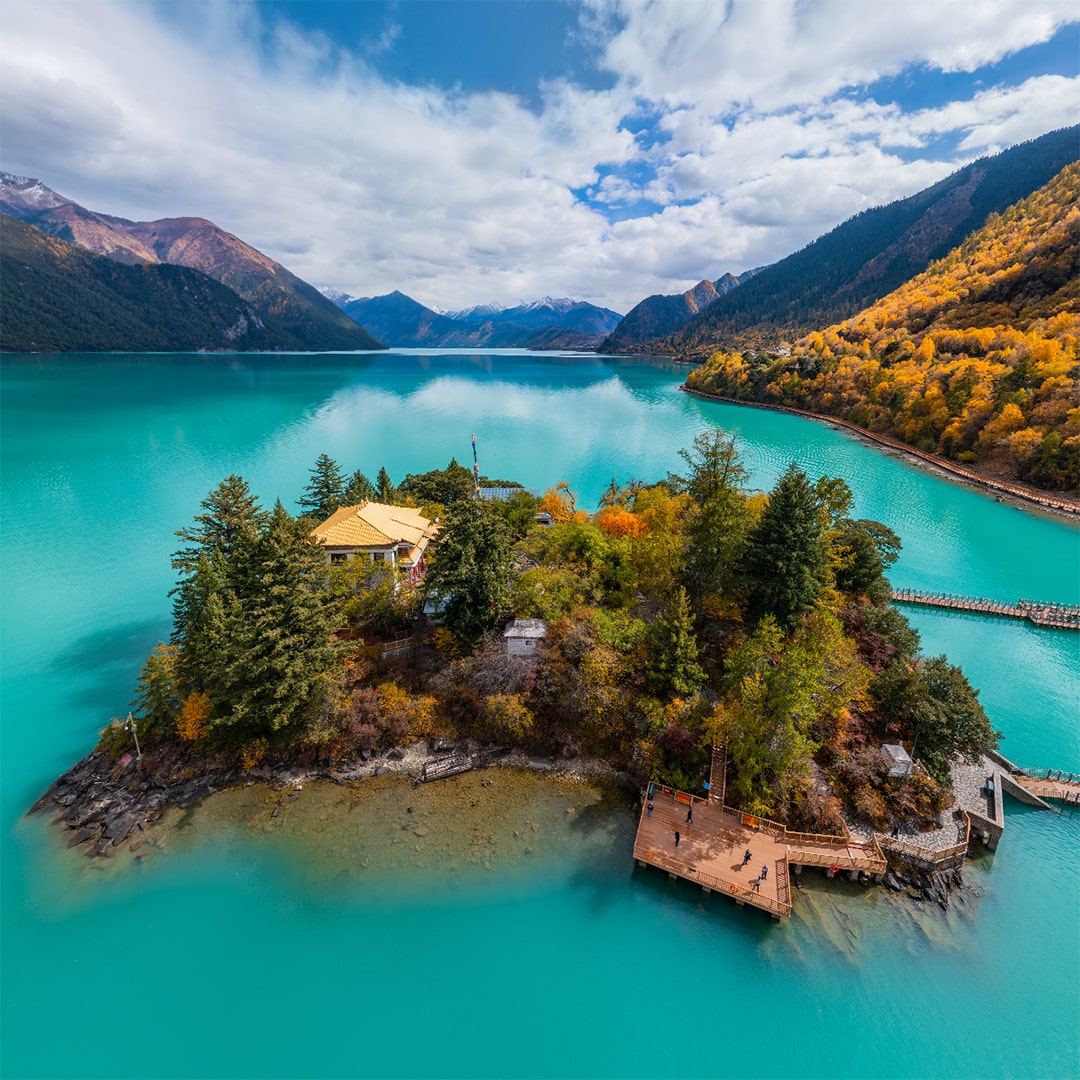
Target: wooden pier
1052,784
711,847
1059,616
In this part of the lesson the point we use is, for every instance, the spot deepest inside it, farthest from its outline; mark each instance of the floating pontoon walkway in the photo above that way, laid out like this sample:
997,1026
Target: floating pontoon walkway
1061,616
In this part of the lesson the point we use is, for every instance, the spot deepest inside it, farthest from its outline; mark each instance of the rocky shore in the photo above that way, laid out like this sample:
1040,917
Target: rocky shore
931,887
103,801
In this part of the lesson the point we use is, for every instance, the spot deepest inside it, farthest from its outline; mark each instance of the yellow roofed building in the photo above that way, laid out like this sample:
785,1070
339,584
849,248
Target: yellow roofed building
398,535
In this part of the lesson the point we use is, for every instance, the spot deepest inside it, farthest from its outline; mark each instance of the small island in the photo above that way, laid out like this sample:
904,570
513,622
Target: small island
719,648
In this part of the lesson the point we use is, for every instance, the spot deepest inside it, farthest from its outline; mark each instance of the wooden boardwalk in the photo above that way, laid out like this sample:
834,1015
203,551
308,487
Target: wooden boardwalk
1060,616
1051,786
711,849
710,852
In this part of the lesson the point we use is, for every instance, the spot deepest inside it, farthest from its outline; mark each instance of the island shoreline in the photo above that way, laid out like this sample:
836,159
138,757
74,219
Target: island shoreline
105,803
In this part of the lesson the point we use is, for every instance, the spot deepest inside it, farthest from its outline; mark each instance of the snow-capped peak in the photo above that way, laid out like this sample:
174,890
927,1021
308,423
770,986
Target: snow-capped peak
335,295
480,311
29,192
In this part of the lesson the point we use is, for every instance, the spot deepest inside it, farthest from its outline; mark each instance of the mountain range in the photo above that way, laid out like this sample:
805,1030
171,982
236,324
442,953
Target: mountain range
867,256
293,312
403,322
658,315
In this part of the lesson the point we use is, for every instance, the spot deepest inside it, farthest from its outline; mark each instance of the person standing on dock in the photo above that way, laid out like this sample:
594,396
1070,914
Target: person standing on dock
746,856
676,837
764,871
690,816
650,808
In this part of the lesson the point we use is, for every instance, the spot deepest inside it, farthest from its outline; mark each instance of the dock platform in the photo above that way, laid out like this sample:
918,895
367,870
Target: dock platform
711,849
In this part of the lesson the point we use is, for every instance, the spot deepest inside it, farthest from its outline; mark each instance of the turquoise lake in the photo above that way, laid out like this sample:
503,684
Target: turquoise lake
229,957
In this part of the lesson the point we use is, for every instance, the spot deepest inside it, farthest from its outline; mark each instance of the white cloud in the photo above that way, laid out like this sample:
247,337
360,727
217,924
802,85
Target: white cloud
294,143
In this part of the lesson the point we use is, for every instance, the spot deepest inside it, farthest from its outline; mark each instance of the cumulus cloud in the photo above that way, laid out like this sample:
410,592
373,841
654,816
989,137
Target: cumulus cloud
757,136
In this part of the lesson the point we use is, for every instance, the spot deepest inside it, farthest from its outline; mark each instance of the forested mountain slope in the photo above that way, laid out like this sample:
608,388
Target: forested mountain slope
309,319
871,254
57,297
975,359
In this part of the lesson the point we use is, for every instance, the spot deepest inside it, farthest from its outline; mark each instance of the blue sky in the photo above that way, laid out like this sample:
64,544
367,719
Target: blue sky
467,152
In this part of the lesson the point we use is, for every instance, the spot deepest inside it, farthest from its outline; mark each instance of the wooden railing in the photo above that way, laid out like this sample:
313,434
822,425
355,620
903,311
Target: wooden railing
737,890
933,856
387,648
841,860
818,839
1060,616
783,896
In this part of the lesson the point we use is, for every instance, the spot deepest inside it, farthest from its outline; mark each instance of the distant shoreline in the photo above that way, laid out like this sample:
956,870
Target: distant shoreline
1018,495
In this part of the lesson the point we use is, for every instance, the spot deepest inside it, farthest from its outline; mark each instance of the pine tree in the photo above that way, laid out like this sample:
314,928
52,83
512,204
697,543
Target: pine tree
949,719
472,571
325,491
277,666
359,489
675,669
200,624
787,558
716,535
384,487
229,524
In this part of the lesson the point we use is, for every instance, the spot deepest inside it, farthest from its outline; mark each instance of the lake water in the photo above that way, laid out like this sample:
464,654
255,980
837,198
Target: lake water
248,951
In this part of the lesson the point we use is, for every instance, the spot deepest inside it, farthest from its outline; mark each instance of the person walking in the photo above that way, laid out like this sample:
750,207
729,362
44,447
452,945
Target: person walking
676,837
764,871
746,857
690,816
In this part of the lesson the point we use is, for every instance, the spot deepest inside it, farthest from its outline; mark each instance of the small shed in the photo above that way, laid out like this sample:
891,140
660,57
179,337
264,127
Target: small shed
523,636
899,760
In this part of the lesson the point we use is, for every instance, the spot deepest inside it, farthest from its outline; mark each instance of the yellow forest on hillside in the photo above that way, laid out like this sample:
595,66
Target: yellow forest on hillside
976,358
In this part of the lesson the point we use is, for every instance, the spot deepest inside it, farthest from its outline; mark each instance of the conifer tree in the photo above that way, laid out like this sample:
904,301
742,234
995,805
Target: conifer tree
787,558
359,489
276,666
229,524
472,572
325,491
201,626
383,486
157,693
675,669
